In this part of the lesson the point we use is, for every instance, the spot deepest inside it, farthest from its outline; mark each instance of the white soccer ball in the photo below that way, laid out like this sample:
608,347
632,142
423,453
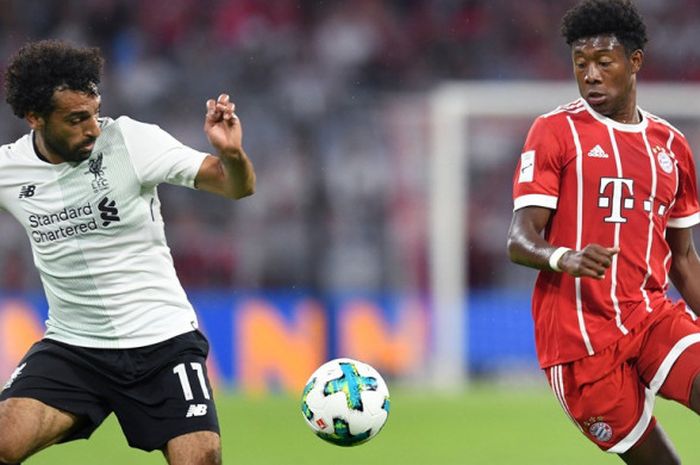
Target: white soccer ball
345,402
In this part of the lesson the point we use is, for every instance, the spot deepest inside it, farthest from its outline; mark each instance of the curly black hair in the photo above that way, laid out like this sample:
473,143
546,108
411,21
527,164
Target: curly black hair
39,68
595,17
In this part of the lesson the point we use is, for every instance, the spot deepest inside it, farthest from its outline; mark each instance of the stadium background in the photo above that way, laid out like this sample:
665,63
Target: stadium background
331,256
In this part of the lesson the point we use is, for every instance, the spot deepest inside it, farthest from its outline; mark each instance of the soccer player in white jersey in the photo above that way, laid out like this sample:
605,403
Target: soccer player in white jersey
121,334
605,197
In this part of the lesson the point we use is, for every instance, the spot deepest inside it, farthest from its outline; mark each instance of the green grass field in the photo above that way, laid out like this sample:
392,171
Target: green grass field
486,425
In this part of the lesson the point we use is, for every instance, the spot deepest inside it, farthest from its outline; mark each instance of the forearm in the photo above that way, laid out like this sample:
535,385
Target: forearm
527,246
684,276
534,252
238,174
685,266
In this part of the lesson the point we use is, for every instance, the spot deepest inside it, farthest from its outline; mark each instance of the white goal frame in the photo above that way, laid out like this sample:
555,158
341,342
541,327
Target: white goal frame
451,104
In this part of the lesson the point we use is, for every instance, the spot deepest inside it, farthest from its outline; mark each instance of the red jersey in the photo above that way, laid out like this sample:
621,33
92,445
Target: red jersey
612,184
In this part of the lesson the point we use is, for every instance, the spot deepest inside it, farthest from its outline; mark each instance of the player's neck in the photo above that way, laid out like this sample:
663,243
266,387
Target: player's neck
628,117
628,113
42,152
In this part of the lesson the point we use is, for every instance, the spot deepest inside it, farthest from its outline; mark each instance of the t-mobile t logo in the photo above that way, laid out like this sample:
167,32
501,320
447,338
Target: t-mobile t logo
620,198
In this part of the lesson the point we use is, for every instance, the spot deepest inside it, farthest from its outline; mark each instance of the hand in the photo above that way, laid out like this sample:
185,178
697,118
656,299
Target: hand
591,261
222,126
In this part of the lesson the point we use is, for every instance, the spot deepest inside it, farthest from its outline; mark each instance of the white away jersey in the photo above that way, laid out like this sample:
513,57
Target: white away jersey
97,234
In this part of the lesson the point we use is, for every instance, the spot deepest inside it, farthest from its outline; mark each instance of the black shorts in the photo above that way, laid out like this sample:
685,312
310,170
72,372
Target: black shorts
157,392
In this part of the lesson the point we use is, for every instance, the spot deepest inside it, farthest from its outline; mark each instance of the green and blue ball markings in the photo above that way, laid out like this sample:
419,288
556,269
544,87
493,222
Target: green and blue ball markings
342,436
304,406
352,384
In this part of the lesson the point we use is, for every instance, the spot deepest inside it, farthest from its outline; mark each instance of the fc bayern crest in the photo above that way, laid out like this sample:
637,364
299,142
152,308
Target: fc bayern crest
601,431
665,161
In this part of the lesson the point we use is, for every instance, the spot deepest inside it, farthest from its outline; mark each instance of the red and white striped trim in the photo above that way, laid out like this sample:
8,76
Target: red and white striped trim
557,384
650,394
579,233
616,243
650,229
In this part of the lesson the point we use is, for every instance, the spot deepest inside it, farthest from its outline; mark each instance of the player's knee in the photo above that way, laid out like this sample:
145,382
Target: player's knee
213,456
11,454
12,451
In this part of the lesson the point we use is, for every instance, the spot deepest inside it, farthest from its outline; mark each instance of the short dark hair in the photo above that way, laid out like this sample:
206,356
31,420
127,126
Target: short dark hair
597,17
39,68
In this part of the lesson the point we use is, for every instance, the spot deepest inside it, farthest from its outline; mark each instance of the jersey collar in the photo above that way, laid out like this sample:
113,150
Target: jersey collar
639,127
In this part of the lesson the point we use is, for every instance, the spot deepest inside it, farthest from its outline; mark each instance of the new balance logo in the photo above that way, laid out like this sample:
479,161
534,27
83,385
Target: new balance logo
196,410
27,191
15,374
598,152
109,211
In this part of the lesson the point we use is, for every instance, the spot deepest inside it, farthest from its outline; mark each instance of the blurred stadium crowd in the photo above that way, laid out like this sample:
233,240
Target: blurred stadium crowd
332,97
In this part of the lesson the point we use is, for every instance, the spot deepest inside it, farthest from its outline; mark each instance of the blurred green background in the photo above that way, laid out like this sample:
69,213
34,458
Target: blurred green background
487,425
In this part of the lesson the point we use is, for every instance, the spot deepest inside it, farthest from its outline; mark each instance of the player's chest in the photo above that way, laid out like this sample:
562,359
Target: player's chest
56,195
629,170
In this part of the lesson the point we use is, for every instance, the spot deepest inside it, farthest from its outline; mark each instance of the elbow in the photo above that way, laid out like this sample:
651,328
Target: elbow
243,194
517,251
245,191
512,250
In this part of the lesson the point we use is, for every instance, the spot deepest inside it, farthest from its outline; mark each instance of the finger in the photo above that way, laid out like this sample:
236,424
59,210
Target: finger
596,267
593,273
613,250
211,106
223,99
600,256
224,111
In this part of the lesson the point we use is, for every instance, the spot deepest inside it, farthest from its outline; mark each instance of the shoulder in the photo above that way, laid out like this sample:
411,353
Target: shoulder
20,149
567,110
147,133
129,124
557,121
659,122
674,139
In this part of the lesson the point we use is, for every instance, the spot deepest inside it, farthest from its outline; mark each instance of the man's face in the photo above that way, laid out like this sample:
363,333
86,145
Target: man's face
70,131
606,76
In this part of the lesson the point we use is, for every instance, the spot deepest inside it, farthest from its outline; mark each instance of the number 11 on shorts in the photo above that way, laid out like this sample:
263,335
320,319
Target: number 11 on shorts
181,371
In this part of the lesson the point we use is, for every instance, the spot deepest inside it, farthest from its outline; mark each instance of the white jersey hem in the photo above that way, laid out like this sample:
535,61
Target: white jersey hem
130,343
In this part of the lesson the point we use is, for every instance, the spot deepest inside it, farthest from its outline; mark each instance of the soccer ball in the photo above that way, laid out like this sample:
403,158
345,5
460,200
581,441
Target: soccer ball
345,402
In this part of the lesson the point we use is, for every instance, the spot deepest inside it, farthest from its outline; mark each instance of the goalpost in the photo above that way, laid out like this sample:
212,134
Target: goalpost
452,105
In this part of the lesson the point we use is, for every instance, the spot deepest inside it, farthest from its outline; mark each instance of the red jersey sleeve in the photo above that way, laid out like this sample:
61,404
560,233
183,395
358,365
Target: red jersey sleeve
536,179
686,210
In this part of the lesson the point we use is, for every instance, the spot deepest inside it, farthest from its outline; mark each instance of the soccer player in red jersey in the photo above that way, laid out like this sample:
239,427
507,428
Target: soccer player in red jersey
604,198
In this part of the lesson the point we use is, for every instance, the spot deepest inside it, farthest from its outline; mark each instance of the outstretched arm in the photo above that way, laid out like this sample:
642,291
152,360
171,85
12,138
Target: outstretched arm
685,266
526,246
231,172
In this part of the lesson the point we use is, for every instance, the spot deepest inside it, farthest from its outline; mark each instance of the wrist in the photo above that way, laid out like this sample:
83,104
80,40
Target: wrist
232,153
555,258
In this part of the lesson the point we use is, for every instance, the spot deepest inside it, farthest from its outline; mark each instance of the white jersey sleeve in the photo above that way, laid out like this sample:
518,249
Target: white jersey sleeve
157,156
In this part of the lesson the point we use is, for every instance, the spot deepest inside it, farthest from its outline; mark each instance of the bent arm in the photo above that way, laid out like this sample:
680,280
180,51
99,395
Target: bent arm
526,246
231,173
685,265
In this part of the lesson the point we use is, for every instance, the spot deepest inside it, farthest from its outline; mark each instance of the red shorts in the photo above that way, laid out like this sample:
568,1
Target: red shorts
610,395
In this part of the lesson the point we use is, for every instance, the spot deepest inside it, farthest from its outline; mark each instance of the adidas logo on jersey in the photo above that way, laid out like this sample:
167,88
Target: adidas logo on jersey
196,410
598,152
